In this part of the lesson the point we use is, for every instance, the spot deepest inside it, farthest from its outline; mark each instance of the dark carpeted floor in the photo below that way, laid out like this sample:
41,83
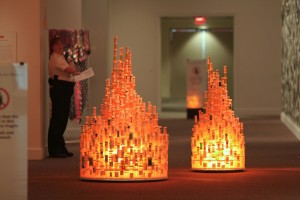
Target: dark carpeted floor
272,171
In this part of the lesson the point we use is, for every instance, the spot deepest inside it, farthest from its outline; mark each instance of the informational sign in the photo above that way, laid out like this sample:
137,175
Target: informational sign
13,131
8,47
196,83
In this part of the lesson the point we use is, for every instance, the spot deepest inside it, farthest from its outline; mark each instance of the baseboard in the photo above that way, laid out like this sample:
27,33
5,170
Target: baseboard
290,125
36,153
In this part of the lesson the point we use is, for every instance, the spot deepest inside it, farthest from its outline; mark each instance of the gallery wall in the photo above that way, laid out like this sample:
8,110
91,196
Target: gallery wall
25,18
256,46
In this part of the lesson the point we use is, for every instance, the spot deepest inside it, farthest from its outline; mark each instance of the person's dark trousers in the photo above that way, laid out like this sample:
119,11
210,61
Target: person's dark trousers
60,94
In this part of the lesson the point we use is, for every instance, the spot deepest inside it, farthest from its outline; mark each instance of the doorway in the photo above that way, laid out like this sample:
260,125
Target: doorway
182,40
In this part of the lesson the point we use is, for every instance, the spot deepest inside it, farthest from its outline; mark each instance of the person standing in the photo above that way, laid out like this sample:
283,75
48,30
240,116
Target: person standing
61,82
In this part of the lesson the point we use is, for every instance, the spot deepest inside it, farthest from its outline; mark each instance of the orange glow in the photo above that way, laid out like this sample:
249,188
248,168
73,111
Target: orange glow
125,142
193,101
217,141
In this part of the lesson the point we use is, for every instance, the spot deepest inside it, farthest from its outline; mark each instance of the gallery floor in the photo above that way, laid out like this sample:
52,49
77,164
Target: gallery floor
272,171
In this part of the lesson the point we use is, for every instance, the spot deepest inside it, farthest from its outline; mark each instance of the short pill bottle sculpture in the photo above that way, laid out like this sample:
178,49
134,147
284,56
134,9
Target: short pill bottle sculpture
217,142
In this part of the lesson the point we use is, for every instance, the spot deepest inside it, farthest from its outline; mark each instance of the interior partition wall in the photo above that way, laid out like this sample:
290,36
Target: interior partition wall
290,78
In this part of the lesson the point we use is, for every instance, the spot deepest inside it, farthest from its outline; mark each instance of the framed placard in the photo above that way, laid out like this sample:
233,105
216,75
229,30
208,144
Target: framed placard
196,85
196,82
13,131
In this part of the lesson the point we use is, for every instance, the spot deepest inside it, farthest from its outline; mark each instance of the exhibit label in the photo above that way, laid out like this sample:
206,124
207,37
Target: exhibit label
196,83
13,131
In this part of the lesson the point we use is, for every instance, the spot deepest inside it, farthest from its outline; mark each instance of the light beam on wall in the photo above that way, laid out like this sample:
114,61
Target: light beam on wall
203,42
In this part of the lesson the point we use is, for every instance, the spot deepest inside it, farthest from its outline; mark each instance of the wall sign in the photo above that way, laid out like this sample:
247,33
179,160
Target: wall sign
13,130
196,83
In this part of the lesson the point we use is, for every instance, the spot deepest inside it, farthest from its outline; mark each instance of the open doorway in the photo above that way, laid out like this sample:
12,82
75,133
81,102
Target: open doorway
182,40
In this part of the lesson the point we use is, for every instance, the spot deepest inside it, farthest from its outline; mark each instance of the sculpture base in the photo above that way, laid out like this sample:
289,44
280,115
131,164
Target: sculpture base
191,112
218,170
123,179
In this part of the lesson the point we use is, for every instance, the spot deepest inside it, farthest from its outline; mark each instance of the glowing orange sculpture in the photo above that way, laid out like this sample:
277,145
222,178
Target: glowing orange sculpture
125,142
217,142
